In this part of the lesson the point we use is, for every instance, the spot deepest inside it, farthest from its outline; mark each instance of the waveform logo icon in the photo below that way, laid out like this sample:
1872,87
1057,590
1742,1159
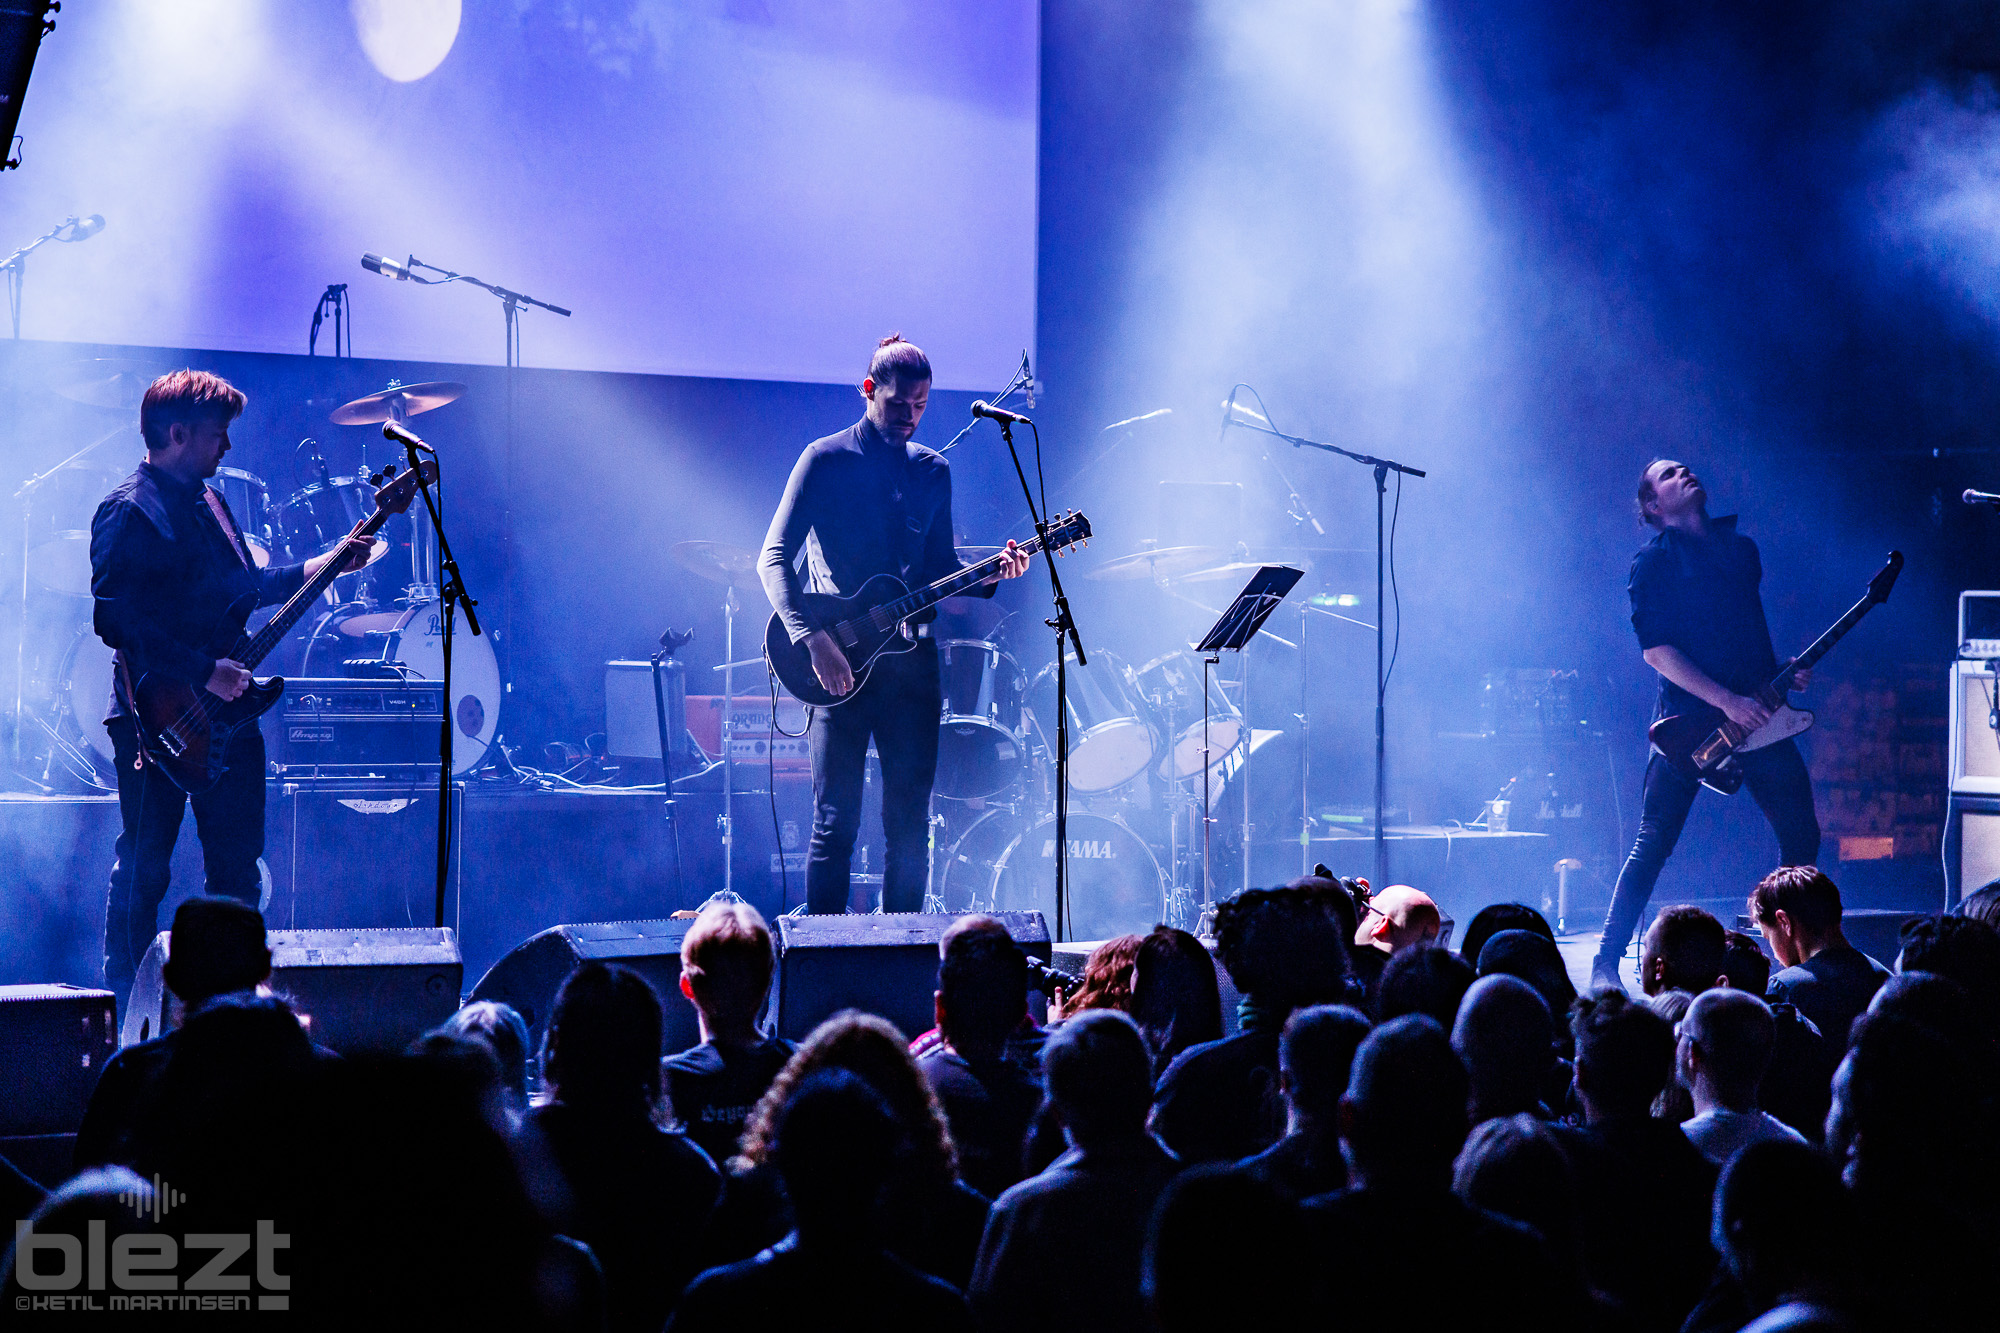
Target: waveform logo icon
155,1201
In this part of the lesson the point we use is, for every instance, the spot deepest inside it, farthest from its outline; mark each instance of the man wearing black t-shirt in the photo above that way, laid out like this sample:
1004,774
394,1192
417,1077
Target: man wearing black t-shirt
725,972
1700,620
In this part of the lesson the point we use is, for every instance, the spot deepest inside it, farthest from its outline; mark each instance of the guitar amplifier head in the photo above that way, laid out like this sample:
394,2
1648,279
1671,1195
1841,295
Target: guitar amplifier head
1979,625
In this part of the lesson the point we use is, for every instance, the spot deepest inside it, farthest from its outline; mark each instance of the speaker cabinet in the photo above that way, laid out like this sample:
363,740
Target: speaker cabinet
1971,844
885,963
357,990
528,977
54,1041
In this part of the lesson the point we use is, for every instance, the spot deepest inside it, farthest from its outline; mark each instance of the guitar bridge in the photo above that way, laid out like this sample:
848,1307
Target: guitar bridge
172,744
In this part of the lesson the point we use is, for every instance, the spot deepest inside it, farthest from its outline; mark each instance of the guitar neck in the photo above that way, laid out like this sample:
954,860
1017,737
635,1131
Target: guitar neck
274,631
951,585
1821,646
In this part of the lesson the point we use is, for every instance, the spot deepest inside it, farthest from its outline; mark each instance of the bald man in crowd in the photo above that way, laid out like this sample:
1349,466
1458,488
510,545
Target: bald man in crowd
1391,921
1724,1047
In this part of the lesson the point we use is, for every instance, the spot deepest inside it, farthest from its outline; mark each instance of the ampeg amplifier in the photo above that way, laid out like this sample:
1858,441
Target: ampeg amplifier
340,723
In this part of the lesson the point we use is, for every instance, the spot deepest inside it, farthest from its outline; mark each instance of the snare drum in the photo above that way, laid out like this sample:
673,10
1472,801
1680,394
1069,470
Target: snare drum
1173,684
316,518
1110,741
350,642
250,505
980,749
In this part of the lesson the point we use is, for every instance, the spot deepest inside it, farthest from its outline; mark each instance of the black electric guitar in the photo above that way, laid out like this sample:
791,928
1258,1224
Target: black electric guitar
185,729
1704,744
869,625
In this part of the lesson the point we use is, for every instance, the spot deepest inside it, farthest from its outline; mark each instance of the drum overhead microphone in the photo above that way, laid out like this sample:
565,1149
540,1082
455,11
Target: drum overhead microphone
389,268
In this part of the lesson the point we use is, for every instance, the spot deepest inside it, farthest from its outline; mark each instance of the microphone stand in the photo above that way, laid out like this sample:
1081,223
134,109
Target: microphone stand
511,303
1383,467
1064,624
334,298
451,594
16,264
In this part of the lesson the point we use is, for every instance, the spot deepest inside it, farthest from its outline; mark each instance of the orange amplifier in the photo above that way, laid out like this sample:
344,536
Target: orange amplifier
750,727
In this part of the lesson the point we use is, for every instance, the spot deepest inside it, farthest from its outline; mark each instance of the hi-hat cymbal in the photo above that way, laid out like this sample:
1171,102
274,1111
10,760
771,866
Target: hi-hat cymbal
118,385
719,562
379,407
1163,562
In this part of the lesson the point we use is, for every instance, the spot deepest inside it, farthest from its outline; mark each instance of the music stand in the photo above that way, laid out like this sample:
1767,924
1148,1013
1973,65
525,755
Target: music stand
1232,630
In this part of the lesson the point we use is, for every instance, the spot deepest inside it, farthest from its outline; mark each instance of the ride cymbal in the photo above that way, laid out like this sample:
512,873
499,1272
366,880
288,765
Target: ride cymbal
379,407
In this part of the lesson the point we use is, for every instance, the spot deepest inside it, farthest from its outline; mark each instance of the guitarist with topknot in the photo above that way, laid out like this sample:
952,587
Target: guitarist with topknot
1700,620
864,502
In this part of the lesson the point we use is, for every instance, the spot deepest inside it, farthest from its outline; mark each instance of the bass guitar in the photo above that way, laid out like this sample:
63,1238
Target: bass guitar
184,728
869,625
1704,744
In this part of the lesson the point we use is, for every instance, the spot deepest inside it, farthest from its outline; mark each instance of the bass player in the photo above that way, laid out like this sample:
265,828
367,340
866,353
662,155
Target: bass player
1700,621
167,565
863,502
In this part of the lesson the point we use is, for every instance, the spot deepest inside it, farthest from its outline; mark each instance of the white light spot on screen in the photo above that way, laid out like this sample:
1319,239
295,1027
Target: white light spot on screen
406,39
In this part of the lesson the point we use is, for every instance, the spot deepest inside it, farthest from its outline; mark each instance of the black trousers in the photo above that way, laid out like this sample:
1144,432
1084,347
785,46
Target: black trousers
899,708
228,817
1777,779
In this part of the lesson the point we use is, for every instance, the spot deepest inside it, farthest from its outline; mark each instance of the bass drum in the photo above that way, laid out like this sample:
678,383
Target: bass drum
411,644
1115,884
83,696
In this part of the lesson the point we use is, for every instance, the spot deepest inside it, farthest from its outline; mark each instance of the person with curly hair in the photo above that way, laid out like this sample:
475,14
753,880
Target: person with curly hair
933,1219
1107,979
1284,949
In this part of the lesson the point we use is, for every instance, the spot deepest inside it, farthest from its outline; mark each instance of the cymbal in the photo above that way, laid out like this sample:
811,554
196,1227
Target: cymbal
1162,562
1235,569
415,398
118,385
719,562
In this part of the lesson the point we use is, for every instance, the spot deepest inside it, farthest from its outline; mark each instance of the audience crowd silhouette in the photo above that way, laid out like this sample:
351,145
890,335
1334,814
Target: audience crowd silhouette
1385,1133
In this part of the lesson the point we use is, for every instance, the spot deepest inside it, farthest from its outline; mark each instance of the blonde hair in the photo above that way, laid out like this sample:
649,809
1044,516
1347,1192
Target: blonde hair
726,957
873,1050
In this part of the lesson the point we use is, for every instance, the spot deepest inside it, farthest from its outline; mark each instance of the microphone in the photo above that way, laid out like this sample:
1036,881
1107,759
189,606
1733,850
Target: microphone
395,430
981,408
1235,414
82,229
1981,498
389,268
1144,416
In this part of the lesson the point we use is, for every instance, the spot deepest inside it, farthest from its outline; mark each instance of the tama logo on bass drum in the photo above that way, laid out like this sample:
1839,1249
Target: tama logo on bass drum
1082,849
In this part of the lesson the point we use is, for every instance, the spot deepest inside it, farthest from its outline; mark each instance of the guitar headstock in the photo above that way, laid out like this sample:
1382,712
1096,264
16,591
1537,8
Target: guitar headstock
1885,578
1071,529
395,495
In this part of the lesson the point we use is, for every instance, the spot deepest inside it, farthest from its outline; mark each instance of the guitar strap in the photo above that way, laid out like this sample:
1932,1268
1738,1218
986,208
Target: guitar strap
228,526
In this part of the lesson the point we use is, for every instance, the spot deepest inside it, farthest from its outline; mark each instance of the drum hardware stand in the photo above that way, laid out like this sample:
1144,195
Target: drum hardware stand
671,642
25,493
1232,631
334,298
452,594
1064,625
1232,415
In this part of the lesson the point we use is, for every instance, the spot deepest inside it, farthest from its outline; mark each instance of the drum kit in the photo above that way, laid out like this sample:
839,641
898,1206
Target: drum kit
1137,759
373,624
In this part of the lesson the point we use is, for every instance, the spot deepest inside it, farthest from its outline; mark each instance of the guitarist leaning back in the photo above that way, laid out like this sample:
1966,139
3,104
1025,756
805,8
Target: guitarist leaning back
1700,621
869,501
166,567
